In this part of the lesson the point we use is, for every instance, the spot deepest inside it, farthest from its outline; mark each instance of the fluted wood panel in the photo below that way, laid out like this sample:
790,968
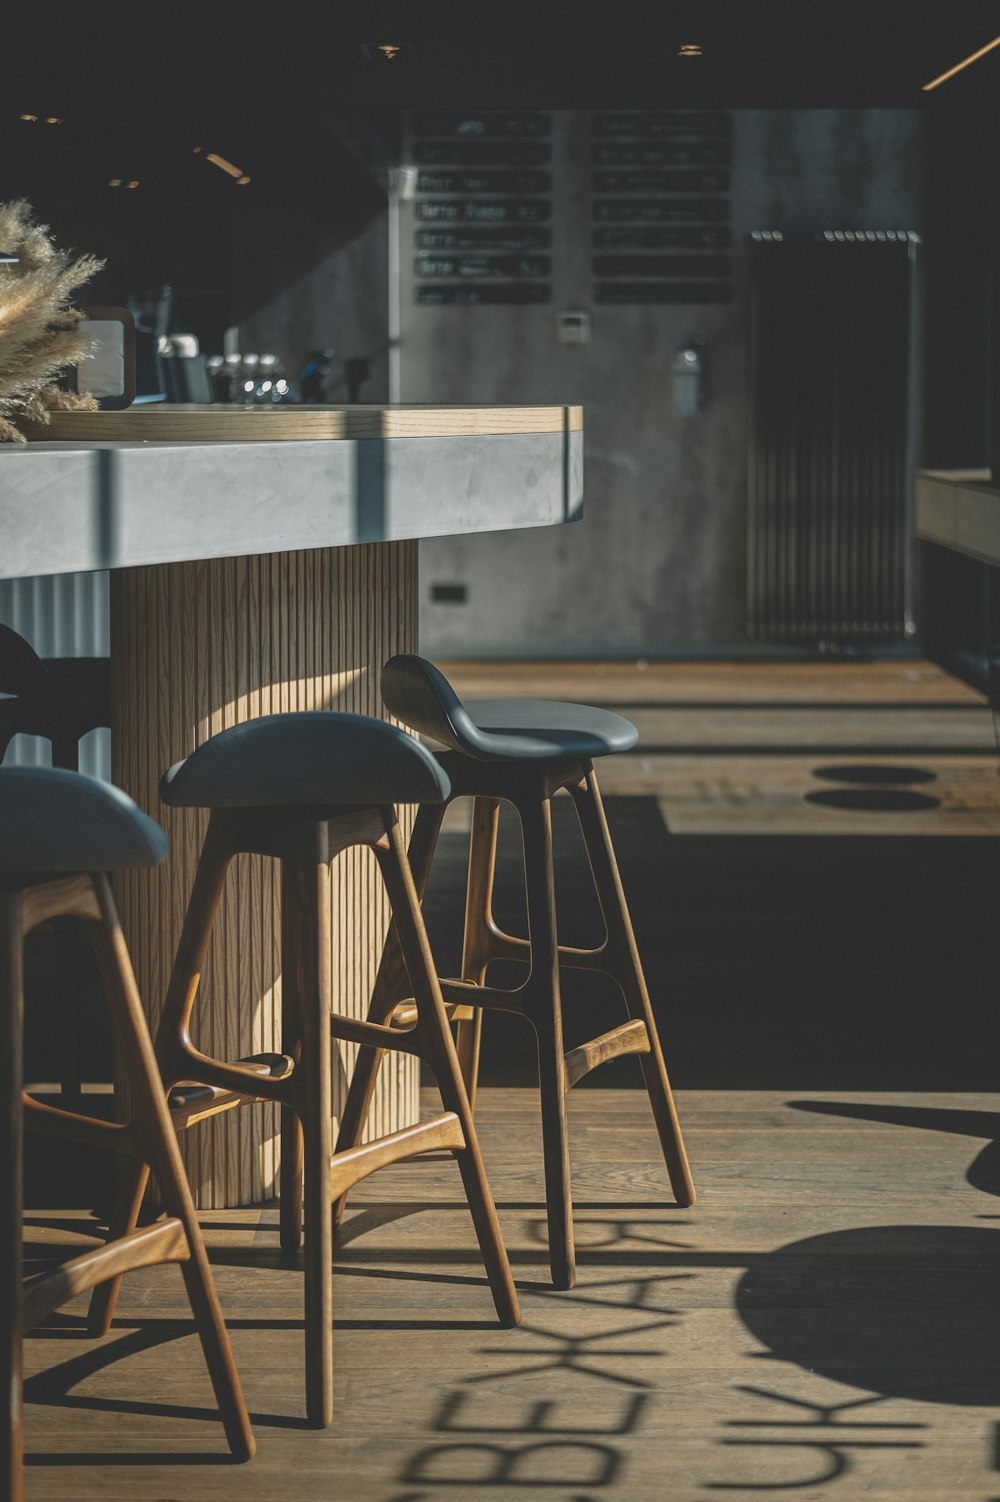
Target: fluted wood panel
197,647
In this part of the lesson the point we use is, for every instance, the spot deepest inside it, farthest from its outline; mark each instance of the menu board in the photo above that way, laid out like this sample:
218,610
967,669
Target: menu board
483,209
660,183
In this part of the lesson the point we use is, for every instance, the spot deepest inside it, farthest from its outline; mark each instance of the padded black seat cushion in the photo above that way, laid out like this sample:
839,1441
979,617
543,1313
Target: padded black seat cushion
55,821
499,729
306,760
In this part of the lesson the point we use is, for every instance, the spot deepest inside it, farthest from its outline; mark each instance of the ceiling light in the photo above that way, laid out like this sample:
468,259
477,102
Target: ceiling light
975,56
379,52
690,49
220,161
242,181
195,150
115,182
53,120
133,184
28,117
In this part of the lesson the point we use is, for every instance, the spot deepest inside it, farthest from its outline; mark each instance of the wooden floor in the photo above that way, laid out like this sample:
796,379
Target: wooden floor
823,1324
784,748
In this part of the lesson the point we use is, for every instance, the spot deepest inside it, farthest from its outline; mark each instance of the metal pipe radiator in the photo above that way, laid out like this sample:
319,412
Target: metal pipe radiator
831,454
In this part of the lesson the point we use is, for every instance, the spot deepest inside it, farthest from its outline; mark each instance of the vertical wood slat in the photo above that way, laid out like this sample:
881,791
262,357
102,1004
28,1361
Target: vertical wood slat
197,647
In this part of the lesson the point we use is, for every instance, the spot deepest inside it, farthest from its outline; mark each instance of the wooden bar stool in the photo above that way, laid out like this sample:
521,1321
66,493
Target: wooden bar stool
60,699
524,751
61,834
302,788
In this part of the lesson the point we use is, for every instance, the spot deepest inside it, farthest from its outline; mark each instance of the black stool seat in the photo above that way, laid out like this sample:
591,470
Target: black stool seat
499,729
55,821
311,760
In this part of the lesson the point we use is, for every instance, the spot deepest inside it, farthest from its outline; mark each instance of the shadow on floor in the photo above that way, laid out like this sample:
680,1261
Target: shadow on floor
774,962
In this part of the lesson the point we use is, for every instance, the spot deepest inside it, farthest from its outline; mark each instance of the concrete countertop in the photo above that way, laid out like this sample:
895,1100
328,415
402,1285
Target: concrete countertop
169,484
960,509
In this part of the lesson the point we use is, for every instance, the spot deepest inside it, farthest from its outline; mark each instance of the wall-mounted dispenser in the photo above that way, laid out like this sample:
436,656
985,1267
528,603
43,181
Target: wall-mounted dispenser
688,371
573,326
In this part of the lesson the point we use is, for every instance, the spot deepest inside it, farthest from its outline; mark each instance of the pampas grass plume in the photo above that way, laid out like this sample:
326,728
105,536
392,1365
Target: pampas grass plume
40,334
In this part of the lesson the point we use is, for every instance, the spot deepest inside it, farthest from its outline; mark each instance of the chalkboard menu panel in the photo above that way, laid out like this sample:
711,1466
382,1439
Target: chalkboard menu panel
633,237
646,293
641,266
489,203
475,238
486,181
660,184
479,210
483,153
481,125
491,294
662,210
667,123
698,180
483,265
682,154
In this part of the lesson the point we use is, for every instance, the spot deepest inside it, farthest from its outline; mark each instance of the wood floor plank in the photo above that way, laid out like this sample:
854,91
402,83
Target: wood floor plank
827,1310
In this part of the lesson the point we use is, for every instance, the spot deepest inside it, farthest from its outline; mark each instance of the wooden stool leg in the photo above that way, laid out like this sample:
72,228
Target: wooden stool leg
11,1173
290,1172
356,1108
390,988
155,1129
477,946
133,1176
439,1050
184,976
627,971
305,967
543,1007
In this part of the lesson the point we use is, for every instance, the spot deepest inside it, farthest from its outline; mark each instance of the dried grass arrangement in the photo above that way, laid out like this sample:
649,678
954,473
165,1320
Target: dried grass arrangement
39,331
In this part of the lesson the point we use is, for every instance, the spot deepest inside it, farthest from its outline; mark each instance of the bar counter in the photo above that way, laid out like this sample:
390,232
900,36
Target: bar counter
264,560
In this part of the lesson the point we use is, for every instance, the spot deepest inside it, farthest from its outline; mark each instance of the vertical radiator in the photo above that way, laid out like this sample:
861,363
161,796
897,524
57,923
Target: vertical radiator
832,437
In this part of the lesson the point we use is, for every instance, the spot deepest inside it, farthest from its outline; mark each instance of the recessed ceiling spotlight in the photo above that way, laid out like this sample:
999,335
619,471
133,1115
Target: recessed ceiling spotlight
387,52
114,182
195,150
690,49
972,58
242,181
31,118
133,184
53,120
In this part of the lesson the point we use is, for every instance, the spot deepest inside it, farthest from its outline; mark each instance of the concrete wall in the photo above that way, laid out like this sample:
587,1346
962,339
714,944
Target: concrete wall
657,565
340,304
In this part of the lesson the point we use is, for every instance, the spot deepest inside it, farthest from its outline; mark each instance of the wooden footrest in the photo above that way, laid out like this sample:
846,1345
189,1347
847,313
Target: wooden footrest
164,1241
350,1167
631,1037
189,1102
